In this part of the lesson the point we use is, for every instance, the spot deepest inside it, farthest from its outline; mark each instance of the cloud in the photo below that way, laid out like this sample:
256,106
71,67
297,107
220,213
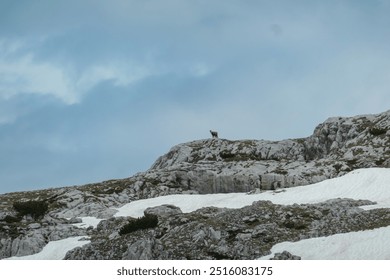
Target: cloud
119,73
22,73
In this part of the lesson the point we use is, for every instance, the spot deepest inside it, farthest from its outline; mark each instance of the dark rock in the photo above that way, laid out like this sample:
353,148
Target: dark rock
285,256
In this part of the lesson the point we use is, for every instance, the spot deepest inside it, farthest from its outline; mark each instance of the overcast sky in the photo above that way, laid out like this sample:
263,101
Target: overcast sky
93,90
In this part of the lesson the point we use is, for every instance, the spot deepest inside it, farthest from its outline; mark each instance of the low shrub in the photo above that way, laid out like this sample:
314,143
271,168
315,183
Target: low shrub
11,219
376,131
145,222
34,208
337,166
231,156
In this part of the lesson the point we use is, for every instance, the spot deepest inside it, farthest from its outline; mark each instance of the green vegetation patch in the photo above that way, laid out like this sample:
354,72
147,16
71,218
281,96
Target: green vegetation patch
145,222
11,219
377,131
34,208
231,156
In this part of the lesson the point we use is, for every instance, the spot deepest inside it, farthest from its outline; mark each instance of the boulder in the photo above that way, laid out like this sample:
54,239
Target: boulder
163,210
285,256
140,250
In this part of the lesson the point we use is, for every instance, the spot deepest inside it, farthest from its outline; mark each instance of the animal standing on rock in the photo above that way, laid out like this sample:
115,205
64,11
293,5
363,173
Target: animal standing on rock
214,134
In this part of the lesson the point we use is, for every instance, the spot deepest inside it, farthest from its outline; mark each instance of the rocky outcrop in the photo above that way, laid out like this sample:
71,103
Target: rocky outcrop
163,210
336,147
139,250
29,238
285,256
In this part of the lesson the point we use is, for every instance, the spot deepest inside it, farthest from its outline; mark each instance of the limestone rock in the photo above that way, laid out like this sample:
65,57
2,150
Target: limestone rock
163,210
140,250
285,256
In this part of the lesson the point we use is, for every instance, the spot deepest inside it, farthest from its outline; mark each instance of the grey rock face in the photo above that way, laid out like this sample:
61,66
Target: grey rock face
163,210
285,256
140,250
32,239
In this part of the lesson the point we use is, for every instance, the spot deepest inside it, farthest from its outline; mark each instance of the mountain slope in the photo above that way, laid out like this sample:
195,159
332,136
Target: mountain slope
247,226
337,146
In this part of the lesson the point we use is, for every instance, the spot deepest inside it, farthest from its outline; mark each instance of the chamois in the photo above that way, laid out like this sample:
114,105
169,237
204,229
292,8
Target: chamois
214,134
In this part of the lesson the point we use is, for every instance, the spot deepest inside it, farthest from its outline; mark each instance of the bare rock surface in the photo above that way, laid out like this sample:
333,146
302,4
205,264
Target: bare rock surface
163,210
285,256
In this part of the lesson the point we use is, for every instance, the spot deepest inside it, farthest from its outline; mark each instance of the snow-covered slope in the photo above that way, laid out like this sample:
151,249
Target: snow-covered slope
370,184
366,184
362,245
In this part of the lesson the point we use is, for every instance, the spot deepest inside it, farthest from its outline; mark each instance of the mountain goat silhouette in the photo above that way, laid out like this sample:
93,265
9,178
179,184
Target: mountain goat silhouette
214,134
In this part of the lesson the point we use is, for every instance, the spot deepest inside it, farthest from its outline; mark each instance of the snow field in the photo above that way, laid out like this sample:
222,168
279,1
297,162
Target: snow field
362,245
56,250
88,222
372,184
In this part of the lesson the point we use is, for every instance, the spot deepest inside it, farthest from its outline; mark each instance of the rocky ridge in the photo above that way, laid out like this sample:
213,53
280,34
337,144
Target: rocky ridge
337,146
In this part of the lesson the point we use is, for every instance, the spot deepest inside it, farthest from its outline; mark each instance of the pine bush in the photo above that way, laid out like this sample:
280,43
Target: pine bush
145,222
34,208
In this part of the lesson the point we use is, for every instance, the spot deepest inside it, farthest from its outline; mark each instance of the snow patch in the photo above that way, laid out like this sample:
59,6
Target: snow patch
56,250
372,184
362,245
88,222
